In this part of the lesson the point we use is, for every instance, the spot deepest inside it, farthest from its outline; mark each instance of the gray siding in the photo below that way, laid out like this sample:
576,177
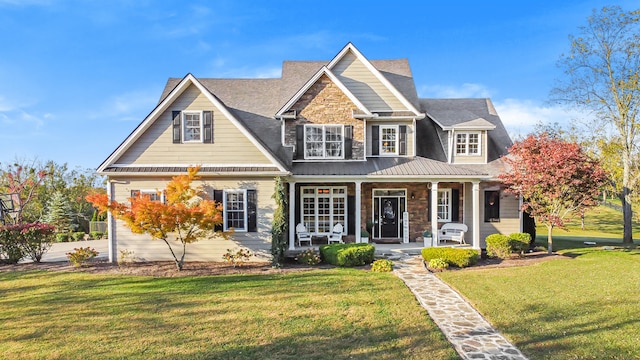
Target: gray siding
509,216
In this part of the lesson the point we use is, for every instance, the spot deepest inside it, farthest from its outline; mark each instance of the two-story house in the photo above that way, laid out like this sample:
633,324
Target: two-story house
350,138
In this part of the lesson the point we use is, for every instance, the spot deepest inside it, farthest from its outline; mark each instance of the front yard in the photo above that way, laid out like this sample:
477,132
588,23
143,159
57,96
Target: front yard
318,314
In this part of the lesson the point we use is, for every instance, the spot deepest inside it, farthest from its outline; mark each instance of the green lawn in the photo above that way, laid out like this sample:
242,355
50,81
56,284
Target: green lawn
323,314
583,306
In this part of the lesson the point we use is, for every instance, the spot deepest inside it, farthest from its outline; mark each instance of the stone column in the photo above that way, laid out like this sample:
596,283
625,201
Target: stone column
292,215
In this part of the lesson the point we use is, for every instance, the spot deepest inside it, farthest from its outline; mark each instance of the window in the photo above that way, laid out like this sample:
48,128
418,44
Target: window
153,195
235,210
492,206
388,140
444,205
323,207
324,142
192,126
468,143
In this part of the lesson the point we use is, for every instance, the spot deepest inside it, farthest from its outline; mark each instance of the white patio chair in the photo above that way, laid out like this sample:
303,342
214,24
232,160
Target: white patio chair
336,234
302,234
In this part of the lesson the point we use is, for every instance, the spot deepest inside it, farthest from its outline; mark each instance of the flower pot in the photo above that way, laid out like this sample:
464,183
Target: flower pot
428,241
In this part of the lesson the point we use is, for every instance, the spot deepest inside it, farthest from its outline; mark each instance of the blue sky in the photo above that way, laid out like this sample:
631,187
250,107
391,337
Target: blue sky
76,77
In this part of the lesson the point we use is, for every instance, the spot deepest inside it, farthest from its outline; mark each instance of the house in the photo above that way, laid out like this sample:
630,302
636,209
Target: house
351,139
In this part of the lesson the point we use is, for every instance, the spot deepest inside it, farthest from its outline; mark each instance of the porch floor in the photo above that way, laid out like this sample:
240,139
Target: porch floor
386,250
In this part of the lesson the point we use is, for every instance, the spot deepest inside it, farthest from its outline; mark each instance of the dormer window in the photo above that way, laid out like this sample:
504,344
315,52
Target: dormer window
388,140
468,143
324,141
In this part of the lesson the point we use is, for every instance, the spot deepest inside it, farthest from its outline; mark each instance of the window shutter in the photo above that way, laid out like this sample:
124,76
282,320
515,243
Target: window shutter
217,197
375,140
455,205
351,210
299,142
252,216
207,125
403,139
348,141
176,127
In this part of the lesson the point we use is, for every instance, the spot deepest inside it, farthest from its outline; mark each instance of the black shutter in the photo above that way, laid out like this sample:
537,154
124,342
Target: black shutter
351,214
207,125
296,211
375,140
348,141
403,139
252,216
176,127
455,205
217,197
299,142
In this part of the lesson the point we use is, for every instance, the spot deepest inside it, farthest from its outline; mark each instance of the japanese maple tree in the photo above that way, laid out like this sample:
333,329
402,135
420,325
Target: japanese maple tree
186,216
555,178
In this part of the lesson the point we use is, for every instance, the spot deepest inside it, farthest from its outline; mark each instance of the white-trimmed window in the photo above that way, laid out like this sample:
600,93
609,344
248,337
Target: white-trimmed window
192,130
235,210
444,205
153,195
324,141
388,140
468,143
323,207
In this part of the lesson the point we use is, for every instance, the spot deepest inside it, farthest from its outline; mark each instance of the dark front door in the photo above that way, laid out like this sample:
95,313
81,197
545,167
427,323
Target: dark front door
389,217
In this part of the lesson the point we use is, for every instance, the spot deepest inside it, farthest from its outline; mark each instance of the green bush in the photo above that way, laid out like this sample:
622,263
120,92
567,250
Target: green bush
96,235
27,239
382,265
77,236
80,256
348,255
519,242
498,245
11,249
438,264
453,256
62,237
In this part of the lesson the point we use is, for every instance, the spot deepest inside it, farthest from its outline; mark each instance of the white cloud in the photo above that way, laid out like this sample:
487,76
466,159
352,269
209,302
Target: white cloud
466,90
130,106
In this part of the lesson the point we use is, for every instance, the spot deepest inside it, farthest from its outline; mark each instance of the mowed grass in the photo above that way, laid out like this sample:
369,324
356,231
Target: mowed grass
584,306
321,314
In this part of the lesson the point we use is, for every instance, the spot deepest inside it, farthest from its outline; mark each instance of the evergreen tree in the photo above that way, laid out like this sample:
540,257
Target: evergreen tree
59,213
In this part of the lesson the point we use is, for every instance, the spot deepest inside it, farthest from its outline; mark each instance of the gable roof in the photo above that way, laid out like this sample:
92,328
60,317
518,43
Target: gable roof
164,104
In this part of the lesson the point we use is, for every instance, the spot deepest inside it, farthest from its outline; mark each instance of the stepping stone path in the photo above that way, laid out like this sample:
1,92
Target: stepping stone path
470,334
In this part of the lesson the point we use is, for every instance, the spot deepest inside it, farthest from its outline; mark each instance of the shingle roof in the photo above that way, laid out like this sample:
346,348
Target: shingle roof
183,169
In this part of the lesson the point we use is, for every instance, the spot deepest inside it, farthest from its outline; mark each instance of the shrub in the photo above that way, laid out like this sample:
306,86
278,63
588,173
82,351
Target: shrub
126,257
237,257
453,256
77,236
309,257
96,235
438,264
80,256
62,237
382,265
29,239
519,242
348,255
498,246
11,249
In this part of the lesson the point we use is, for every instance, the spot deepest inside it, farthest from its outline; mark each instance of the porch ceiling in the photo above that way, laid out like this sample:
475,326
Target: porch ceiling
417,166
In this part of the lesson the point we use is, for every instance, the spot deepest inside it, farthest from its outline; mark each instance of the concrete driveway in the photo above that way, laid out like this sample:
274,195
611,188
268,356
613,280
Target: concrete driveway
58,251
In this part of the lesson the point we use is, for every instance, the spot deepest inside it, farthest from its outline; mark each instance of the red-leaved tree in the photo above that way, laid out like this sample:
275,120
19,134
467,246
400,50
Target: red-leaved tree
555,178
187,215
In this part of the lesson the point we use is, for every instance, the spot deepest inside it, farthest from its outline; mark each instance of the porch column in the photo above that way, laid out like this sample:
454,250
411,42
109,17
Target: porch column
292,215
476,215
358,209
111,226
434,213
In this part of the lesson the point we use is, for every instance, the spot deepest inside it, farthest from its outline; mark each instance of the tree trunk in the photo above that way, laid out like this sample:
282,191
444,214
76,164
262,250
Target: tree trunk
627,212
549,239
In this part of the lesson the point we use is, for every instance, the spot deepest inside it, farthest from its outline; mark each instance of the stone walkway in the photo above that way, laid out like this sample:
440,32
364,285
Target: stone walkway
471,335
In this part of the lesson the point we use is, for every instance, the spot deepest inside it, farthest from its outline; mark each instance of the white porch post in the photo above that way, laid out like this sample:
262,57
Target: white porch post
358,207
476,215
292,215
434,213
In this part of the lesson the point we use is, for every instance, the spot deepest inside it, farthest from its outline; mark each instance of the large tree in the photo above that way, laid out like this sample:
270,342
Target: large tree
20,183
602,75
556,179
186,215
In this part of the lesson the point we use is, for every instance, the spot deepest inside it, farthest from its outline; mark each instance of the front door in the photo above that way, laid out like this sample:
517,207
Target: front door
389,217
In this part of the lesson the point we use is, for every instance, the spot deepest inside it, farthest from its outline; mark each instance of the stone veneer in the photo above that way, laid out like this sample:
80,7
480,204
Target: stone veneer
325,103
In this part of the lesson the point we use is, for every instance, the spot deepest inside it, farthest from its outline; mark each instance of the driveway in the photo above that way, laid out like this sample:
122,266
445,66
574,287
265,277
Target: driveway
58,251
